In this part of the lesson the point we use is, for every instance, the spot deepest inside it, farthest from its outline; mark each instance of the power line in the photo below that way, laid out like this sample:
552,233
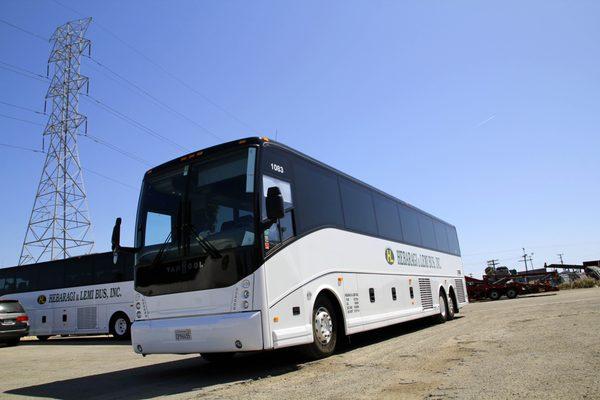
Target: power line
22,108
21,120
24,30
12,146
165,71
141,91
117,149
24,70
110,179
86,169
133,122
23,74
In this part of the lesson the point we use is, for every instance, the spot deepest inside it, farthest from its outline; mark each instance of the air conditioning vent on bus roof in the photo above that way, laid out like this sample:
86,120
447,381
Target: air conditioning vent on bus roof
460,290
425,290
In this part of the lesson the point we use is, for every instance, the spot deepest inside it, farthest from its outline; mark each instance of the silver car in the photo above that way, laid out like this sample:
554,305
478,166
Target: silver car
14,323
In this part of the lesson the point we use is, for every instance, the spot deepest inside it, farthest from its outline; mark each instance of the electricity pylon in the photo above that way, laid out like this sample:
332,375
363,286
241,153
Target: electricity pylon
59,225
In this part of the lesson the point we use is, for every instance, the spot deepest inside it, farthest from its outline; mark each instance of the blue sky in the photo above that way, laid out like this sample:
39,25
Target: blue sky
485,114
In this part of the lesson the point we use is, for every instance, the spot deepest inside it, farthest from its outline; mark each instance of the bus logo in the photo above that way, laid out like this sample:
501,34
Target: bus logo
389,256
41,299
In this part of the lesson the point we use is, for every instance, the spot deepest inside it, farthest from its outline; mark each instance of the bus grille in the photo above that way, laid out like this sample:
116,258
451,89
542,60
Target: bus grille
86,318
425,289
460,290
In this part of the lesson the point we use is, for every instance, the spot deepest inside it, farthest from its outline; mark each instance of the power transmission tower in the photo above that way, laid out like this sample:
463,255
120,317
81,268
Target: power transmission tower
527,257
59,225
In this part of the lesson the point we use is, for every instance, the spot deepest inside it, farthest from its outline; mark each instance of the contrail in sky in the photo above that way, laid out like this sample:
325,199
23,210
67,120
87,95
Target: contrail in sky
486,121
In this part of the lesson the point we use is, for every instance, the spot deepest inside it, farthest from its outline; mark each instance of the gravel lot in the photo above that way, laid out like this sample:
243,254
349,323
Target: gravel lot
539,347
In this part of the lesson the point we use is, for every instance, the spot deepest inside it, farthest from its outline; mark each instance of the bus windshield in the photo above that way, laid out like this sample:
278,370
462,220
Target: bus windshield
193,217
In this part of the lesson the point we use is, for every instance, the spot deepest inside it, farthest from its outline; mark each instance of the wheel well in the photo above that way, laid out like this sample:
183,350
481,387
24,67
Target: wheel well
453,299
338,308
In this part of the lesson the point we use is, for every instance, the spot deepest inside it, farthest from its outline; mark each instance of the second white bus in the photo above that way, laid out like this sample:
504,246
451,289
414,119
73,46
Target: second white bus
85,295
251,245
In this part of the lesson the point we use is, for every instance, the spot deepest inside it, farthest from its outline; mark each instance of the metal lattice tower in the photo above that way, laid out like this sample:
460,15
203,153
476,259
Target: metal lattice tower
59,225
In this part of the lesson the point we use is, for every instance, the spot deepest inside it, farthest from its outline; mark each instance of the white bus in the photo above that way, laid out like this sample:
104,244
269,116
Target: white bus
84,295
251,245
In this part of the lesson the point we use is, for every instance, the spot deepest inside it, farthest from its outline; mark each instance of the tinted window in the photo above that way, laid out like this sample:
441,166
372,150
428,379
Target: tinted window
453,240
7,280
51,274
441,236
410,225
26,278
388,219
79,272
317,197
10,307
427,231
358,207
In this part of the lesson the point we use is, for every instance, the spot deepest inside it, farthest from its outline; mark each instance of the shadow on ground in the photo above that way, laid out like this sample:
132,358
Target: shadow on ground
191,374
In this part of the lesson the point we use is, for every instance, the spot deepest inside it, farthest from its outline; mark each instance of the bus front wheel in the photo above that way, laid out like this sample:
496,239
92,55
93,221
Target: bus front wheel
120,327
325,329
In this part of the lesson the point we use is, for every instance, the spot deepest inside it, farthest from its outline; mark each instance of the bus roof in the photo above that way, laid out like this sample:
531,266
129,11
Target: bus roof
266,141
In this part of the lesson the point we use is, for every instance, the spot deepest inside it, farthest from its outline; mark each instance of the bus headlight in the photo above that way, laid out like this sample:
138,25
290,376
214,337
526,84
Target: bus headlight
246,294
138,306
246,304
138,314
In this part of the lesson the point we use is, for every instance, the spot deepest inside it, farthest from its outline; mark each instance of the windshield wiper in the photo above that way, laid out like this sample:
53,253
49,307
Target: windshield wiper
162,249
205,244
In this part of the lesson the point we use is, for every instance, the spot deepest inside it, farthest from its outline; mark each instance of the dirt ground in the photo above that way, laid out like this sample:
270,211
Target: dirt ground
544,346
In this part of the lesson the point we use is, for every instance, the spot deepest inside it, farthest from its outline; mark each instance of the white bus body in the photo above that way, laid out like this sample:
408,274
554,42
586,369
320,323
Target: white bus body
101,308
369,280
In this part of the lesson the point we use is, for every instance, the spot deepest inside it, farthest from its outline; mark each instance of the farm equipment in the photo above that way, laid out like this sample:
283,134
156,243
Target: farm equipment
494,287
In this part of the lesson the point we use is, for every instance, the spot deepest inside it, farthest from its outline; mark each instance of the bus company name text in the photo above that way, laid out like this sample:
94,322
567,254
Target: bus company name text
417,260
87,294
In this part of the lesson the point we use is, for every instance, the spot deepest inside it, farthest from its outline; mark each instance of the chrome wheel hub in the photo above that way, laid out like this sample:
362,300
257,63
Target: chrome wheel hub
323,326
120,326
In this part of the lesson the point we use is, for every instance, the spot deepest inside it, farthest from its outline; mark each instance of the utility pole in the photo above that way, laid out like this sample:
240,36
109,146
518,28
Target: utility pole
59,225
524,259
560,255
492,264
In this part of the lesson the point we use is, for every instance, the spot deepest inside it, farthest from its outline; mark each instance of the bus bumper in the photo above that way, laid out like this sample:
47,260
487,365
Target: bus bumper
230,332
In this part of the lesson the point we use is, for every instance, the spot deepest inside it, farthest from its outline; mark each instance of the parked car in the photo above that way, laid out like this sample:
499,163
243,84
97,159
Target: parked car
14,323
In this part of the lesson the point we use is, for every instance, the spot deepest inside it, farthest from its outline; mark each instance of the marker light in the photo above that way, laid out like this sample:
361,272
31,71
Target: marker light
138,306
138,314
275,319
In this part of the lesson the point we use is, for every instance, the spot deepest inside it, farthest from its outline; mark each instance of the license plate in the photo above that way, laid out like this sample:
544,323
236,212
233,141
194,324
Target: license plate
183,334
8,322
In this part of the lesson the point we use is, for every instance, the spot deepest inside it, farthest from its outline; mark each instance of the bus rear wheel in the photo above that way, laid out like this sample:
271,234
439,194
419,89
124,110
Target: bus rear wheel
43,338
443,315
325,329
120,326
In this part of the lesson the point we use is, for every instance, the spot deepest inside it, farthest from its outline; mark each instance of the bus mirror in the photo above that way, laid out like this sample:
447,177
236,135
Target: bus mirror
116,236
274,204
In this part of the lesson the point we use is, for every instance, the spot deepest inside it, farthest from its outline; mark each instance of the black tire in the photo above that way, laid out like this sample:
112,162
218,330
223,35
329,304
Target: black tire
325,324
451,308
43,338
511,293
120,326
494,295
217,358
443,315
